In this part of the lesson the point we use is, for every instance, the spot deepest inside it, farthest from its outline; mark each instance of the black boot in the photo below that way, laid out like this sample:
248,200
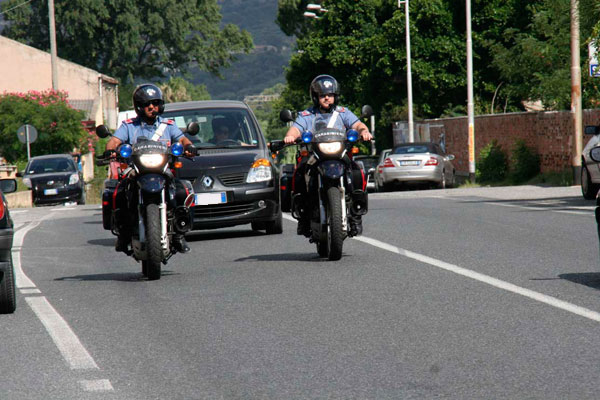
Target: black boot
355,225
304,226
180,244
122,244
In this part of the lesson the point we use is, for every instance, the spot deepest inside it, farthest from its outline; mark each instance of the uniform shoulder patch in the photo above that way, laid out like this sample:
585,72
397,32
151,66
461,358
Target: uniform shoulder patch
169,121
305,113
128,121
340,109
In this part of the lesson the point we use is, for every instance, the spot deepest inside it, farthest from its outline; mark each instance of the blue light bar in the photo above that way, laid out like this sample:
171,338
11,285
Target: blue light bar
307,136
177,149
125,150
352,135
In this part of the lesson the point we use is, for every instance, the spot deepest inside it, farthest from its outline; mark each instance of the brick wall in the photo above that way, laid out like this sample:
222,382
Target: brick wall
550,134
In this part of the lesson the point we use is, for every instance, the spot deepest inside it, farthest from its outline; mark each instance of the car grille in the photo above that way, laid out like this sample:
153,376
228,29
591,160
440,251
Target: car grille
222,210
233,179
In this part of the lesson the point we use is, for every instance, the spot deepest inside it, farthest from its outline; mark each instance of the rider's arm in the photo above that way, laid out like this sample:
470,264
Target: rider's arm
113,143
292,134
362,130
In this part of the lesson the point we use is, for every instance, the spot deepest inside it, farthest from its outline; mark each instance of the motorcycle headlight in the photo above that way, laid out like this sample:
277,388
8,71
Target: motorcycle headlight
260,171
73,179
152,160
330,148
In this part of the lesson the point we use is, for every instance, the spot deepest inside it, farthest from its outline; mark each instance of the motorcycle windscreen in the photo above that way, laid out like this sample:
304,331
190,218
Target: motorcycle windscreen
332,169
151,183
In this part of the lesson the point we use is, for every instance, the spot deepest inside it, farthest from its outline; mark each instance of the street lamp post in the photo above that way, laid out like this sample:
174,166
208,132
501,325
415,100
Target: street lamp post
411,130
470,103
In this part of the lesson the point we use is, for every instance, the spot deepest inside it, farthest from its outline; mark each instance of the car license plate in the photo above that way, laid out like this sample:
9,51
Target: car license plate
203,199
410,162
50,191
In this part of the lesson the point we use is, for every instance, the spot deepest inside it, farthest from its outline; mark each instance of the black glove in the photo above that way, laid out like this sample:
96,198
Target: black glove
190,148
108,153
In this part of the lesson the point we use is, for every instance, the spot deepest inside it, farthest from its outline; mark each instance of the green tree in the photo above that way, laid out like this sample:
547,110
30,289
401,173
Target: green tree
132,38
59,126
179,89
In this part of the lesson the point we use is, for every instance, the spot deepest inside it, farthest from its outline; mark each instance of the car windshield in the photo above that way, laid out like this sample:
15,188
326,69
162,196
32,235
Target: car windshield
410,149
219,128
48,165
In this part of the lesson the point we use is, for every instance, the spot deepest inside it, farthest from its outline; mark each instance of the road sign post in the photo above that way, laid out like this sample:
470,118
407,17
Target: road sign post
27,134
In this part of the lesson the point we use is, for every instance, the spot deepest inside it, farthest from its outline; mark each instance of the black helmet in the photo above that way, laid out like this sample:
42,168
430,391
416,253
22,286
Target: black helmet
324,84
145,93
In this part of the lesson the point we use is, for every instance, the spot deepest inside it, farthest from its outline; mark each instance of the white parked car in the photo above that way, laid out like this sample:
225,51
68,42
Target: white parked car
423,162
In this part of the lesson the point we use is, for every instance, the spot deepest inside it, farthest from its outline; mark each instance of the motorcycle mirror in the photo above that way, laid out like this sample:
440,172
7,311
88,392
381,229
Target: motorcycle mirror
366,111
286,116
595,154
102,131
192,128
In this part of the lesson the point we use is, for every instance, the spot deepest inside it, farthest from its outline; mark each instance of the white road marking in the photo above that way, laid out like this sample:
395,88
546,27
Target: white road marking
31,291
65,339
22,280
541,208
98,385
549,300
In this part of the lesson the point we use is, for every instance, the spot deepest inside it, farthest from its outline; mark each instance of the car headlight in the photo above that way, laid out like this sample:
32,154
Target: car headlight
330,148
27,182
152,160
73,179
260,171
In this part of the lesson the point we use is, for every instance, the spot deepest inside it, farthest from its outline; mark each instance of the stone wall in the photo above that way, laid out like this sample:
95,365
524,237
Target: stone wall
550,134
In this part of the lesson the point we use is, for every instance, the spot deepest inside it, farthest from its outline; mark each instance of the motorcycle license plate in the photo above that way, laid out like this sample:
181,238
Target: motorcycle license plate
204,199
415,162
50,191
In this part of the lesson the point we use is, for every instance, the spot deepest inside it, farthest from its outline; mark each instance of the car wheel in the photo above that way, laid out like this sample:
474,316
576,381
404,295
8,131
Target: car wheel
8,299
275,227
81,200
588,188
442,184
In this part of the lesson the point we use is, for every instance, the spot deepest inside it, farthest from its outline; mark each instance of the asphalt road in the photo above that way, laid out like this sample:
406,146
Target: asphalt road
458,294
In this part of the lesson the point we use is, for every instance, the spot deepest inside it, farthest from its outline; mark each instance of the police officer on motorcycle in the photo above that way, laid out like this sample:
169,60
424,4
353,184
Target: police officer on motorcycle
148,104
324,93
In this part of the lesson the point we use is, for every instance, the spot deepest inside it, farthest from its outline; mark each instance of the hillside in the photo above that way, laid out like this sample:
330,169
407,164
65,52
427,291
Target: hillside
265,66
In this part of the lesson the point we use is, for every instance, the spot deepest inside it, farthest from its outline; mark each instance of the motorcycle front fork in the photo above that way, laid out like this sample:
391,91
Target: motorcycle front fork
164,238
322,212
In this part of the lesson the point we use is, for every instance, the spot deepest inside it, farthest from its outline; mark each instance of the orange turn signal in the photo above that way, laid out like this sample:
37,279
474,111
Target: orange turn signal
355,150
123,166
261,162
177,164
304,153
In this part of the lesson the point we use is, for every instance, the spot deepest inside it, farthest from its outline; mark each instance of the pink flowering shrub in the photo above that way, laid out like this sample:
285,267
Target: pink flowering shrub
58,124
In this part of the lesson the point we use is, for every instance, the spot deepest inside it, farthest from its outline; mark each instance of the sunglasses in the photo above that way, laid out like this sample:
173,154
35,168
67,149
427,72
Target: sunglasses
322,96
155,103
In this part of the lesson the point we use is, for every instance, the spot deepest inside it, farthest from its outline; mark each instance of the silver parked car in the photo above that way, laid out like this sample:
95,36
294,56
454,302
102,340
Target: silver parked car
590,169
423,162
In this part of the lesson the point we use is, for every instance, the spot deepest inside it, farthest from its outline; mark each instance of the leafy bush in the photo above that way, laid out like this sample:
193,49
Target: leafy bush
525,163
58,125
492,165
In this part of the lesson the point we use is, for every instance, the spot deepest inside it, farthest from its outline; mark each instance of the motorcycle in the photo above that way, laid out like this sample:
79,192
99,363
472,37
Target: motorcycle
147,169
330,194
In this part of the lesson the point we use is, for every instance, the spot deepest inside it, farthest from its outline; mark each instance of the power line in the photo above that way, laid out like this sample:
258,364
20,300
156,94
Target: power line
17,6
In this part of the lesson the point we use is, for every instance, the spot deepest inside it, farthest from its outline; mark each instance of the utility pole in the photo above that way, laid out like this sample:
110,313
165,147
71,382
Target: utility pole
411,126
576,111
470,104
53,58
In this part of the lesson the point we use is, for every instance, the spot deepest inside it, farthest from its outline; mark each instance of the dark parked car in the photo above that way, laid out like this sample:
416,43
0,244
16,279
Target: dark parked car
369,164
7,275
233,176
54,179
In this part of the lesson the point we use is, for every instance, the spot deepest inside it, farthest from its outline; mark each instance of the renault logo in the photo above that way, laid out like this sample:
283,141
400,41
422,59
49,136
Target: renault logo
207,182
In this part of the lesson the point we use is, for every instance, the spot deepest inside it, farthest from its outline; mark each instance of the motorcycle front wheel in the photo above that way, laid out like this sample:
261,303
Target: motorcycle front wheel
335,232
154,253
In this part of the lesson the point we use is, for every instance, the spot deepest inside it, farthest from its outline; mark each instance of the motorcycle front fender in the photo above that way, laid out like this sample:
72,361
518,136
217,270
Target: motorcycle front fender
151,183
332,169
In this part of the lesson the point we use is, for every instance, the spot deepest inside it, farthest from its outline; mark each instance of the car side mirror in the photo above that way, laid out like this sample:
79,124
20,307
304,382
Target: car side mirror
366,111
276,145
8,185
286,116
102,131
595,154
19,174
192,128
592,130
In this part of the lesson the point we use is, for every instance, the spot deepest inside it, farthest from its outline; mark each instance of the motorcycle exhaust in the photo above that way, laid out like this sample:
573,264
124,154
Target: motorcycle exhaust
183,220
360,202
